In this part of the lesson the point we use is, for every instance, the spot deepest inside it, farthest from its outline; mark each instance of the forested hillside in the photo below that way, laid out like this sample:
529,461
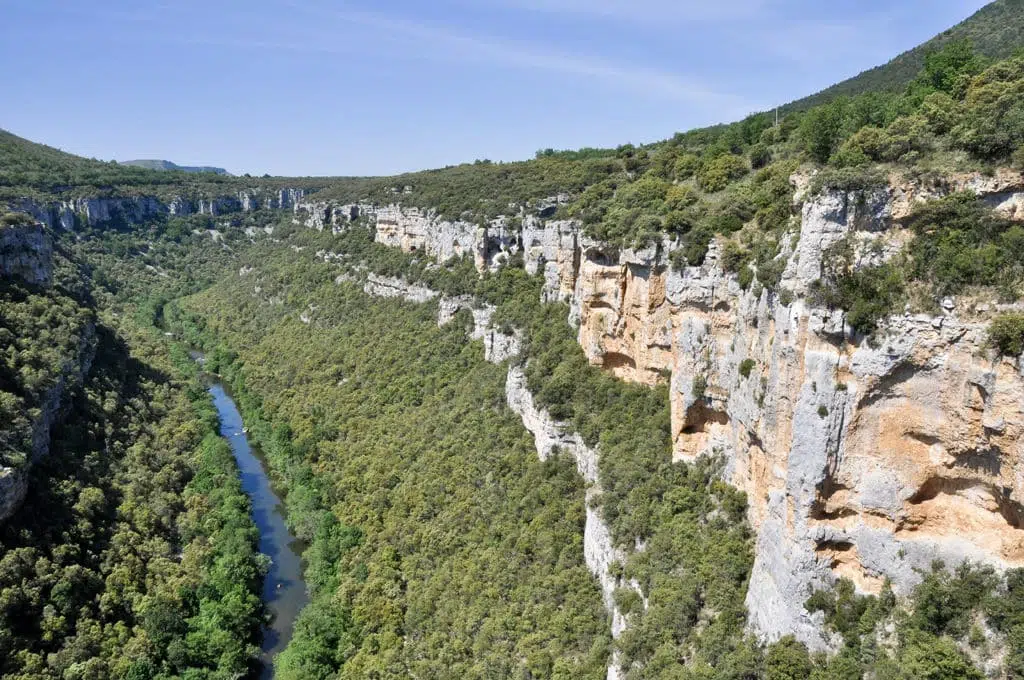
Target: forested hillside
37,170
997,32
440,545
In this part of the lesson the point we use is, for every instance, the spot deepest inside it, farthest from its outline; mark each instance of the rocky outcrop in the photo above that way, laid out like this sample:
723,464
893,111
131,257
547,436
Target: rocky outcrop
130,210
418,231
390,287
500,343
864,460
26,253
414,230
14,482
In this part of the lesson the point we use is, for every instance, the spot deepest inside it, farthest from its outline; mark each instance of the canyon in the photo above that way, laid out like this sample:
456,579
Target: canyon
862,458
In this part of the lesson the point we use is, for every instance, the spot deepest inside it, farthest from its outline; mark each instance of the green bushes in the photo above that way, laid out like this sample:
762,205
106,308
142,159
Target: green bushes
412,479
960,242
788,660
746,366
821,130
1006,333
867,295
715,174
16,219
134,554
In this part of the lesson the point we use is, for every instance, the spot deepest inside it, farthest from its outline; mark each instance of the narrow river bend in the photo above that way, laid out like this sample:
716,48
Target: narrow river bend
284,591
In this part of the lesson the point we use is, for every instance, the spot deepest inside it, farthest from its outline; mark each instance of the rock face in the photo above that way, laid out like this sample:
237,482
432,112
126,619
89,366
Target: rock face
385,286
864,460
99,211
14,481
26,253
860,460
499,343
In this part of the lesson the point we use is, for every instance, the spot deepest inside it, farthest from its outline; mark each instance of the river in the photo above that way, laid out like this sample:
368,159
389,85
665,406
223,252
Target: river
284,591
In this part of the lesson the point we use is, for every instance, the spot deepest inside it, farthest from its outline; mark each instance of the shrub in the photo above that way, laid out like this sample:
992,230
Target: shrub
821,130
1006,333
760,155
959,242
787,659
734,257
849,179
700,386
716,174
992,125
680,196
867,295
686,166
15,219
745,277
746,366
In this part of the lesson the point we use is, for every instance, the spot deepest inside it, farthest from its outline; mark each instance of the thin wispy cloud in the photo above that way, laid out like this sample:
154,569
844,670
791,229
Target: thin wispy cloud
653,12
654,82
420,39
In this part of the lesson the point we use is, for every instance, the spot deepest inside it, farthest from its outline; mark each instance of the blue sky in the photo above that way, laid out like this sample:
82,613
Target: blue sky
361,87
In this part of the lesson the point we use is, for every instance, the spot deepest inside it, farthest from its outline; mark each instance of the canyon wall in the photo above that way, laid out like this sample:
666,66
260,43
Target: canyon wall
26,253
861,458
133,210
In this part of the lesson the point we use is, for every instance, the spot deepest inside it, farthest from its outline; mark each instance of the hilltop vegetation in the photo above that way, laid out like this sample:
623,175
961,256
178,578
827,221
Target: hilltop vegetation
30,169
996,31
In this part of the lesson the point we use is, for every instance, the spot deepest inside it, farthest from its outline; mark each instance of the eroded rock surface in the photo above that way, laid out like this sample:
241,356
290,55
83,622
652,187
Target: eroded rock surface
26,253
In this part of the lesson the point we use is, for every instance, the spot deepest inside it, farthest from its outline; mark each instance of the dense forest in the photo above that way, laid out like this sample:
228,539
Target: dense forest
133,555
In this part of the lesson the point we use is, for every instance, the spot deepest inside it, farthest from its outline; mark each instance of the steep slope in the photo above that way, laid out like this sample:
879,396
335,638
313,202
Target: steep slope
996,31
853,468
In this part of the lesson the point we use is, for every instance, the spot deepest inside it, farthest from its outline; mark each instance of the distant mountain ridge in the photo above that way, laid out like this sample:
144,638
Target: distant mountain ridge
995,31
168,165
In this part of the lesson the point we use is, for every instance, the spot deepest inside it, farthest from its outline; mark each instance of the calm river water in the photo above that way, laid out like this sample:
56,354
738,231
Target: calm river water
284,591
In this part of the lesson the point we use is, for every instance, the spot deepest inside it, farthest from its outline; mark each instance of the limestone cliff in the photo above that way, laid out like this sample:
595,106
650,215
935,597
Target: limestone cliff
98,211
864,459
26,253
861,459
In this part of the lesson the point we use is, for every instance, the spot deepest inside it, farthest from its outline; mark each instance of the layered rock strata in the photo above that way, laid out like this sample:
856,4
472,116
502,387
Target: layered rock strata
75,213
